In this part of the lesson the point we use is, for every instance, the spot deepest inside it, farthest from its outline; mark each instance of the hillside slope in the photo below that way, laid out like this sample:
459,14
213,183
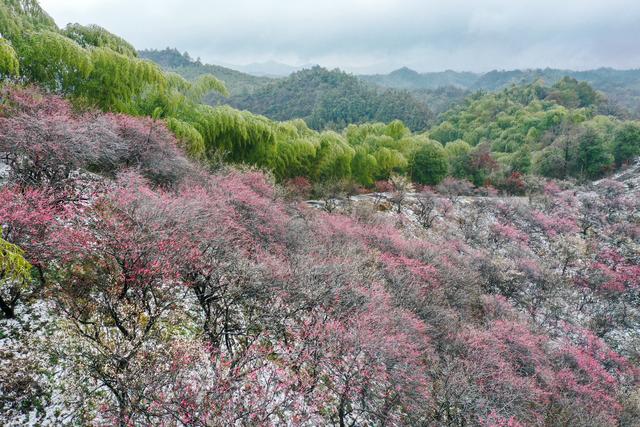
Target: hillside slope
238,83
143,290
324,99
621,86
406,78
332,99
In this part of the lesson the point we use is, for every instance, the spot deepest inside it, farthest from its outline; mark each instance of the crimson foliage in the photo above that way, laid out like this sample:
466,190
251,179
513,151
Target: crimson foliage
211,301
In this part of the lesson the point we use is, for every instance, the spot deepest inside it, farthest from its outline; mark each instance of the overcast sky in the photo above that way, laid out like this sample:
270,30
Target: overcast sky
377,35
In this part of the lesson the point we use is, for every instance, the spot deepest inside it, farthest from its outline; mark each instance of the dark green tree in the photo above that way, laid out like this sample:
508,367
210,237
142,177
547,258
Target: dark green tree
429,164
627,143
593,156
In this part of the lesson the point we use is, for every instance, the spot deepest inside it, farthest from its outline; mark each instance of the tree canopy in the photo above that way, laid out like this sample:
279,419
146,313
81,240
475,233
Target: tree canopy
335,126
429,164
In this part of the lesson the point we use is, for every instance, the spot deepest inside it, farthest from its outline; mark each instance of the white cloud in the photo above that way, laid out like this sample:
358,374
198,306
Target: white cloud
377,34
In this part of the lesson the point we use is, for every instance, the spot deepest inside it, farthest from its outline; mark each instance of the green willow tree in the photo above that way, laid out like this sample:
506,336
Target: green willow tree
19,16
295,157
54,61
117,82
9,64
388,162
15,275
96,36
364,166
333,158
296,149
243,136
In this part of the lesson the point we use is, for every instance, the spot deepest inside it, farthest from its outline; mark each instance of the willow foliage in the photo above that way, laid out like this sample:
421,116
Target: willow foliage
53,60
203,85
396,129
179,98
189,136
389,161
14,267
295,157
117,81
98,68
19,16
9,64
96,36
364,166
333,158
245,137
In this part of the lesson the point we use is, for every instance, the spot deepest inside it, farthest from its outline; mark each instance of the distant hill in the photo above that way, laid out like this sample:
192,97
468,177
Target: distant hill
237,82
331,99
441,99
406,78
620,86
270,69
324,99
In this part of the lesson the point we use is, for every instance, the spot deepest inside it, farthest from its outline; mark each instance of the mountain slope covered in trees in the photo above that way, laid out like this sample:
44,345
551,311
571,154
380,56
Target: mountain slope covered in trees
332,99
323,98
558,131
237,83
490,138
406,78
621,86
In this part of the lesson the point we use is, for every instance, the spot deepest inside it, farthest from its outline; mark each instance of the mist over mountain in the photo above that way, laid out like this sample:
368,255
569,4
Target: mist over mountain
270,69
380,35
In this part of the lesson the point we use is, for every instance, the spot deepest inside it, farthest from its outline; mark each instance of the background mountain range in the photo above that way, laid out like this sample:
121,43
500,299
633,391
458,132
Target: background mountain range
251,85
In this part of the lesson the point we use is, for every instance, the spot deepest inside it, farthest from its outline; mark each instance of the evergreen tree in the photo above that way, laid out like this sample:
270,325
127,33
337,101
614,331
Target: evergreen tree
429,164
593,156
627,143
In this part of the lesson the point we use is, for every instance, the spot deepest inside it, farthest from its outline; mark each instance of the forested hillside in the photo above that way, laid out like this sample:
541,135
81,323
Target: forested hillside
621,86
442,99
172,60
332,99
555,131
161,262
323,99
406,78
564,130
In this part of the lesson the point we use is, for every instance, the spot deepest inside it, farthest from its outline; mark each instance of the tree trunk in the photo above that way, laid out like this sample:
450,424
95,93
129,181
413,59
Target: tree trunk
7,310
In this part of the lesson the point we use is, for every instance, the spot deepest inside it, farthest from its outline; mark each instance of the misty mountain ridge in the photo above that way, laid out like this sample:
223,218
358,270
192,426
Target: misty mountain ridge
413,79
270,68
620,86
427,93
